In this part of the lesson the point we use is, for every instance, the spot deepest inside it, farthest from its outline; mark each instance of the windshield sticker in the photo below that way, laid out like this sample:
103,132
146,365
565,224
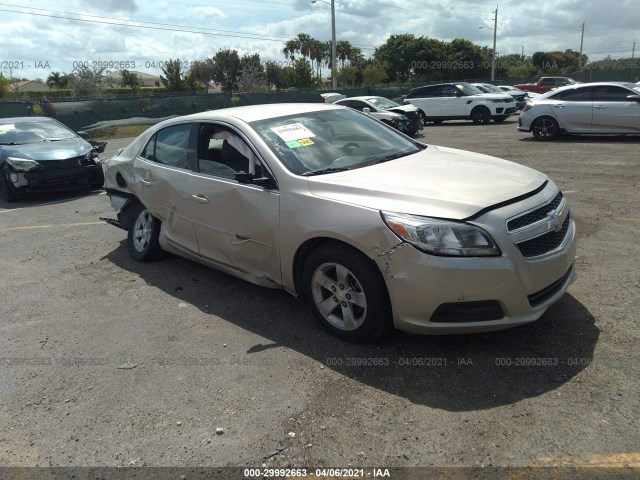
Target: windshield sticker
7,127
305,142
291,132
294,144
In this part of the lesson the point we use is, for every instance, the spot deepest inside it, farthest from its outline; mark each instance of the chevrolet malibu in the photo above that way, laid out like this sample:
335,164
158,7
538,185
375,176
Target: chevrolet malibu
372,228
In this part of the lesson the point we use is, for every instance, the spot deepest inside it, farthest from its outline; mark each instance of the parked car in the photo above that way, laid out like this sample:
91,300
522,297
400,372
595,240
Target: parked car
516,92
40,154
518,95
372,228
601,107
402,117
460,101
546,84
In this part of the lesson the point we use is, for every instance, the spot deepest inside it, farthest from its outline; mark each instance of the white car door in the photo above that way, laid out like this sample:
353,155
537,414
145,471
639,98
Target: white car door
453,102
613,111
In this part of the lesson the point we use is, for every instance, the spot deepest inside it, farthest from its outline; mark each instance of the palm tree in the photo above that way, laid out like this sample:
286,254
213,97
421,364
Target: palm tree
291,47
57,80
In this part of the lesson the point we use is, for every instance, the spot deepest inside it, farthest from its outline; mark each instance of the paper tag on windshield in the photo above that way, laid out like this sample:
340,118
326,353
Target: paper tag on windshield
292,132
10,126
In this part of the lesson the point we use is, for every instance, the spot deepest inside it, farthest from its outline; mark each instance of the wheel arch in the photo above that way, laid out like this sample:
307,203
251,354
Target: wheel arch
310,245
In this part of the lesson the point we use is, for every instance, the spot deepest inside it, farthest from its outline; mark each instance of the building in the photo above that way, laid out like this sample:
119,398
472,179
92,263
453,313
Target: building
148,80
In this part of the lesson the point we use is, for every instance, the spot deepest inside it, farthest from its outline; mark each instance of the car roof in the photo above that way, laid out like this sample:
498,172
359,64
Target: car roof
593,84
252,113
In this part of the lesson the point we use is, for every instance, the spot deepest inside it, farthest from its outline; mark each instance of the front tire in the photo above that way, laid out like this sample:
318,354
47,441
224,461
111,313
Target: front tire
480,115
346,293
545,128
8,195
144,234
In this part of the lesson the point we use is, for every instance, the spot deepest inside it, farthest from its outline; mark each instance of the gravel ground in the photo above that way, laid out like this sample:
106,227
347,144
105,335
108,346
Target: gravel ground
225,372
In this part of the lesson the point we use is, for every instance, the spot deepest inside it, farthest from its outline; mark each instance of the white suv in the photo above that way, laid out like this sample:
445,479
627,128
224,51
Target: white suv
460,101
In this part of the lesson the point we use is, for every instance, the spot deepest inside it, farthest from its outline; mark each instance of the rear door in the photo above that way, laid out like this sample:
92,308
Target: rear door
613,111
161,172
573,109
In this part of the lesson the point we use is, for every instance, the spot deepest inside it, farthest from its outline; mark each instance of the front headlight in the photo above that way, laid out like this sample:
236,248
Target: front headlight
22,164
442,237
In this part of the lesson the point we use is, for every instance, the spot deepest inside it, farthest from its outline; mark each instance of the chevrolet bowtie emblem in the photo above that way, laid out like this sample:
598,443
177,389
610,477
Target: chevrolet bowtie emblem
553,222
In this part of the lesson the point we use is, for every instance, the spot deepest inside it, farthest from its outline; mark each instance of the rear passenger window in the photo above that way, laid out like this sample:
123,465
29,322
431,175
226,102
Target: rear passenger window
574,95
172,145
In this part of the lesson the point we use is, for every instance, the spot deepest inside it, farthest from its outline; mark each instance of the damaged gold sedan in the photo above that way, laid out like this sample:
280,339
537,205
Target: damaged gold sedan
375,230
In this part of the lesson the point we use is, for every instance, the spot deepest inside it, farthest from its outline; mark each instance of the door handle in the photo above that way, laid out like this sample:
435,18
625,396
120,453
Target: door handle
145,182
600,107
200,198
559,106
241,239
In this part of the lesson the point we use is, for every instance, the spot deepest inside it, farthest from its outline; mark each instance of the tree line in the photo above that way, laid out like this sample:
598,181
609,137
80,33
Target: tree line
401,59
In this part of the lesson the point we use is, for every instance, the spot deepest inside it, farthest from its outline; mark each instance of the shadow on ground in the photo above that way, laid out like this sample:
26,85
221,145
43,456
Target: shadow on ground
41,199
454,373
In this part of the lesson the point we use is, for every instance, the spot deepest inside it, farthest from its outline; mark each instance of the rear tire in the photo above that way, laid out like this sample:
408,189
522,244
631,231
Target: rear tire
144,234
480,115
346,293
545,128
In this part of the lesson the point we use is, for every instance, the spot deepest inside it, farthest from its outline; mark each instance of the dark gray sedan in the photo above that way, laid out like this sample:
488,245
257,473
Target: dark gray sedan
40,154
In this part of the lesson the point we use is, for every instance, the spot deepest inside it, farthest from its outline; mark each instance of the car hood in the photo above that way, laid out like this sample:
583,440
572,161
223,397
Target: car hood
43,151
437,182
403,109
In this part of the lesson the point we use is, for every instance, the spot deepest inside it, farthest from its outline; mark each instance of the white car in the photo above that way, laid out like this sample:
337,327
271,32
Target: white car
372,228
460,101
405,118
594,108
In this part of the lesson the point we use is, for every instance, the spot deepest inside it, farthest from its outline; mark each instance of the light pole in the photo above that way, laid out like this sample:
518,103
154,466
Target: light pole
334,79
493,54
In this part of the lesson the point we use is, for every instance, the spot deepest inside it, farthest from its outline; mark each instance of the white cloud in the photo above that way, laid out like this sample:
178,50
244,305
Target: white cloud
611,27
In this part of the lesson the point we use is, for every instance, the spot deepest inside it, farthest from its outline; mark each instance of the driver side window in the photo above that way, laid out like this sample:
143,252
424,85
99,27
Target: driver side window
222,153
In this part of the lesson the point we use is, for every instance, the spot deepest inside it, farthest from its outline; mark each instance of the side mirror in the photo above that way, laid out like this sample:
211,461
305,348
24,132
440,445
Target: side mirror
634,98
83,134
366,110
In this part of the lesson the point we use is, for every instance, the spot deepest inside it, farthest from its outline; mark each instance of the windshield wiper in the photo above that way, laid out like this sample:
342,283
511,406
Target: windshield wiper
393,156
322,171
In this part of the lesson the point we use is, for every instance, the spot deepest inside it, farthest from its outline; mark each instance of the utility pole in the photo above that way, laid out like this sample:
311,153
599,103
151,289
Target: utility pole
493,57
633,50
581,43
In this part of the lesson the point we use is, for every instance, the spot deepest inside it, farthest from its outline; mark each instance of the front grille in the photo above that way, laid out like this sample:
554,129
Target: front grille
543,295
535,216
58,166
544,243
461,312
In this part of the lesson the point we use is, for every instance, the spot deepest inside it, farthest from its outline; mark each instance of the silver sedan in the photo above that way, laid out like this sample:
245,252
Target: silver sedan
372,228
587,108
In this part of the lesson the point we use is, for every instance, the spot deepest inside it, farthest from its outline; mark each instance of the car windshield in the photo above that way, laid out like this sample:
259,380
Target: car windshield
332,140
382,103
491,88
469,89
22,132
571,81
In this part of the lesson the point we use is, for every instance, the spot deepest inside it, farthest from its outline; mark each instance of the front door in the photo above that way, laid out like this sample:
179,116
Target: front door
236,224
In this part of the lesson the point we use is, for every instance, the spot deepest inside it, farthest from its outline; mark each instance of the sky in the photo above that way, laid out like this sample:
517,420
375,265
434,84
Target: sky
39,37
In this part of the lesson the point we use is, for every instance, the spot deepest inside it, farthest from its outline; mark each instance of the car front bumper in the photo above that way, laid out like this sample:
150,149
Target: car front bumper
448,295
53,181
